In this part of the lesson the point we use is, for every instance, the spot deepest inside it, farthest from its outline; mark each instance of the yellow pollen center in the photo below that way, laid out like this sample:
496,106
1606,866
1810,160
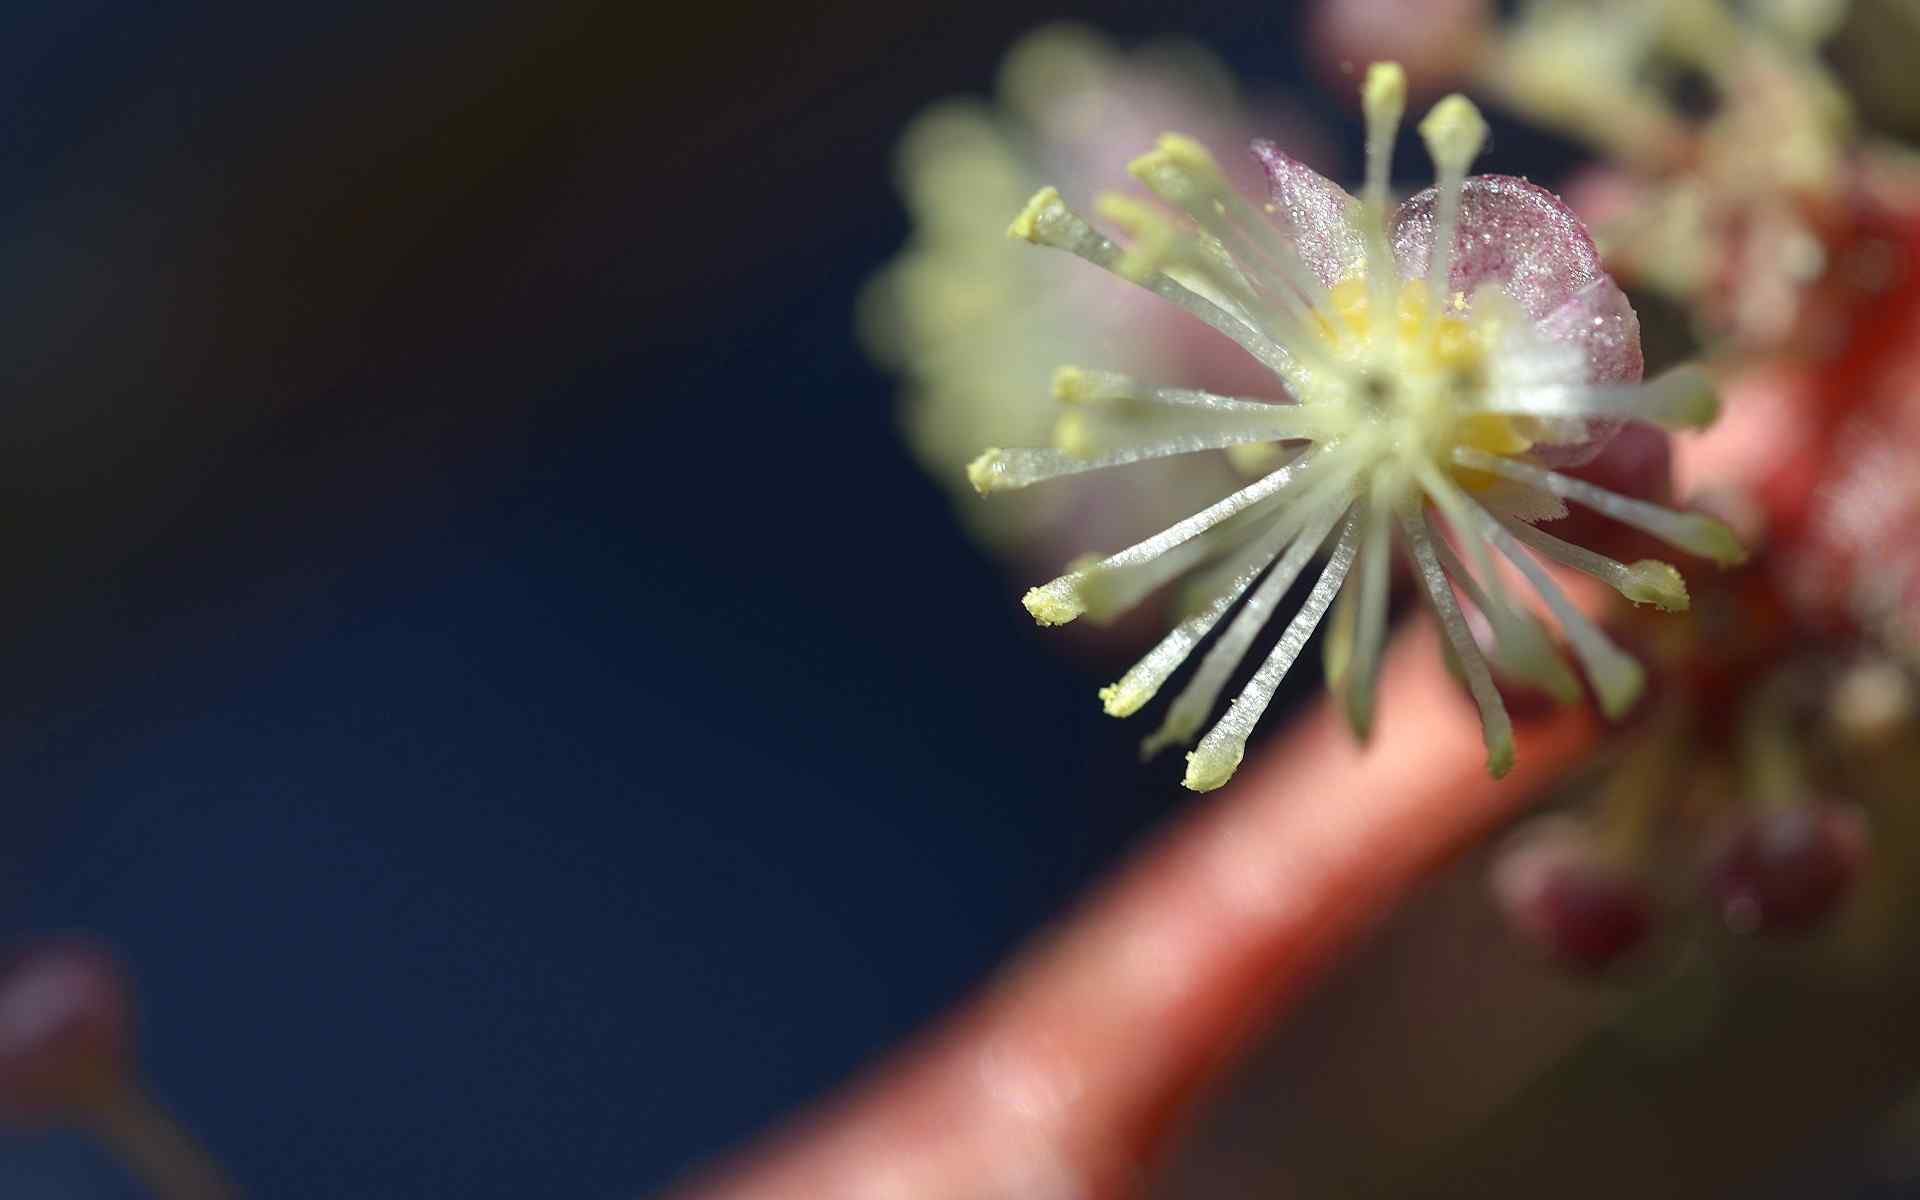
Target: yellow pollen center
1429,355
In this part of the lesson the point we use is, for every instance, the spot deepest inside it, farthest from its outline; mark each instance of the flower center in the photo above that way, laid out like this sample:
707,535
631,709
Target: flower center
1415,374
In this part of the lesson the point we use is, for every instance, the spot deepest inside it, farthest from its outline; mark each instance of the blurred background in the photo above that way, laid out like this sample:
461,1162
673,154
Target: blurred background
444,505
473,638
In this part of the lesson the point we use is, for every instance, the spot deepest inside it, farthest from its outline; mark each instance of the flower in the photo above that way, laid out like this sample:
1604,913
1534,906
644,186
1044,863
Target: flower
973,330
1443,358
1746,212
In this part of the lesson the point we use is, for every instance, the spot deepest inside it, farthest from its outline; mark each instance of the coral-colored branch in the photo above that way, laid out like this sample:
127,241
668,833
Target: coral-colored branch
1062,1077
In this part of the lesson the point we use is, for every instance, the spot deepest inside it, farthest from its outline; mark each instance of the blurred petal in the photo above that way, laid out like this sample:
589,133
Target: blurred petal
1600,321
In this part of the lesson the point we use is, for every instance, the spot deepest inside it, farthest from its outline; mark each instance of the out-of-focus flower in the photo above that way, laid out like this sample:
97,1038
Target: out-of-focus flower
1449,354
975,329
1818,459
1731,176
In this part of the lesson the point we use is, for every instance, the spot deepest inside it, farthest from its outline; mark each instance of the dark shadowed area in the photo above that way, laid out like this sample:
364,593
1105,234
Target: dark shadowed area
472,638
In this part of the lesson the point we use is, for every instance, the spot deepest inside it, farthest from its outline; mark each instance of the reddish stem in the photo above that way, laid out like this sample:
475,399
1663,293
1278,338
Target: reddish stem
1064,1075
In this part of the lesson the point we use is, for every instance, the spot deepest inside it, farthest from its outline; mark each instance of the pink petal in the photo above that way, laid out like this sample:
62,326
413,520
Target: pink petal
1510,232
1600,321
1524,239
1313,211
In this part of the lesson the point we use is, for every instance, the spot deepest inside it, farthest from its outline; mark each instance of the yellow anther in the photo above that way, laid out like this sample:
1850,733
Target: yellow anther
1071,385
1454,345
1178,151
1078,386
1052,606
1699,407
1493,433
1123,699
1209,768
1383,97
1073,434
1351,303
1413,308
1025,227
1255,458
1152,235
984,472
1455,133
1651,581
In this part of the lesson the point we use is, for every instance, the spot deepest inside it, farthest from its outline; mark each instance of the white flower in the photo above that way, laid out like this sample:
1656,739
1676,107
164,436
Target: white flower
1444,359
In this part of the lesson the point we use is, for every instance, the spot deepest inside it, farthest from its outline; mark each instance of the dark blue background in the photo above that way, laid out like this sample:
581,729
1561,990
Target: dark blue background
471,636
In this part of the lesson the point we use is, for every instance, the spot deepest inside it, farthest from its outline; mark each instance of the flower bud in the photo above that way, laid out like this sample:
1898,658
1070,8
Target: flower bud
66,1030
1783,871
1558,889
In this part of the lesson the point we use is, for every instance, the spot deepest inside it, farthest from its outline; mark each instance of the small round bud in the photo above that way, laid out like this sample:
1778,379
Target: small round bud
1784,871
66,1030
1560,892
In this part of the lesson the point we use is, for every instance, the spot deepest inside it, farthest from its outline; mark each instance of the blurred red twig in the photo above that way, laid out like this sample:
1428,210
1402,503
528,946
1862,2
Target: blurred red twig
1062,1077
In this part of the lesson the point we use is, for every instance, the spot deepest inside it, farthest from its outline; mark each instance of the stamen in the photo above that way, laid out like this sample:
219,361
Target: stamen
1523,651
1096,435
1000,470
1336,648
1526,653
1058,602
1081,386
1218,755
1455,133
1196,261
1383,98
1158,245
1191,421
1106,592
1683,398
1196,700
1180,171
1087,385
1693,532
1153,238
1371,618
1496,728
1648,581
1229,582
1459,511
1109,412
1047,221
1617,679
